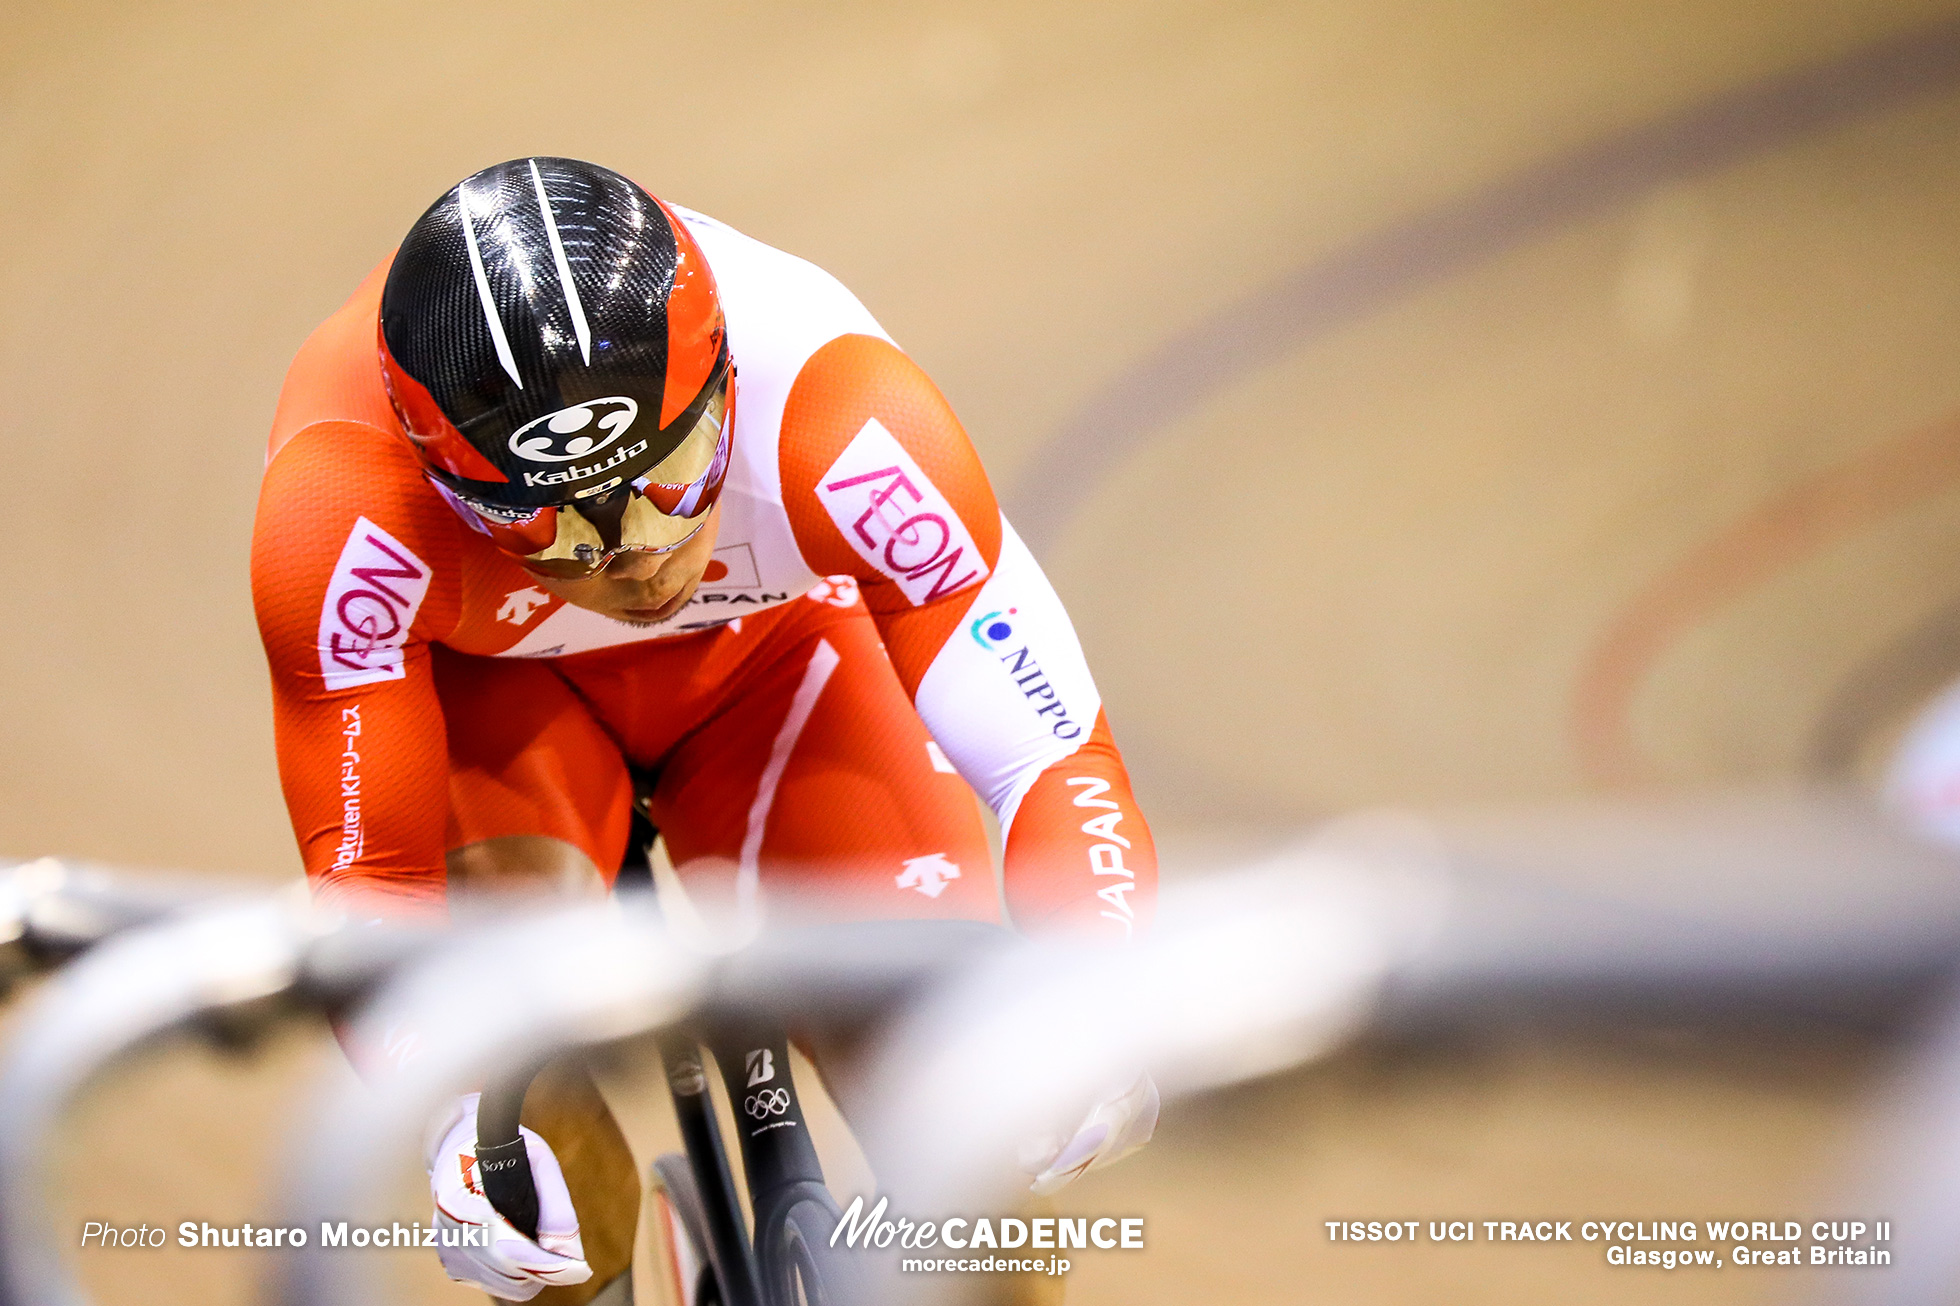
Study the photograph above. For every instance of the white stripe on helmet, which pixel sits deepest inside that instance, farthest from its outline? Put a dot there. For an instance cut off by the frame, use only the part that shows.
(483, 290)
(564, 270)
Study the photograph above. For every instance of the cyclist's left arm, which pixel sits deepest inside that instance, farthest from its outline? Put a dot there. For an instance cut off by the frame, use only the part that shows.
(882, 484)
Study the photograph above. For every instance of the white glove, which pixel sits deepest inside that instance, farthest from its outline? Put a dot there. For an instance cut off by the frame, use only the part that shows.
(512, 1266)
(1114, 1128)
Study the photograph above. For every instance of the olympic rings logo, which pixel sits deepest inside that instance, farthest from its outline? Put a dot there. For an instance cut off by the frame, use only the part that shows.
(769, 1102)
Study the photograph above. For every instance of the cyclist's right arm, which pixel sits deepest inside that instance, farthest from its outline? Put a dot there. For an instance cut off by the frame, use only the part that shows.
(353, 573)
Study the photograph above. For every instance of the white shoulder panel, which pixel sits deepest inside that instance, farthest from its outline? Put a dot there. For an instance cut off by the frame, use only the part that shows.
(780, 309)
(1010, 693)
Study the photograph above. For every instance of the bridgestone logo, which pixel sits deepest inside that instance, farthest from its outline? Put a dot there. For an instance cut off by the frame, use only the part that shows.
(377, 588)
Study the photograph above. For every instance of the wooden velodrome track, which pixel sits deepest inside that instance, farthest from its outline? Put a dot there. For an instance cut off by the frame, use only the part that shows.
(1495, 403)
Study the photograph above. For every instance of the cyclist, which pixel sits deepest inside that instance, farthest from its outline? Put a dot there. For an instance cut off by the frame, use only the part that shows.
(582, 486)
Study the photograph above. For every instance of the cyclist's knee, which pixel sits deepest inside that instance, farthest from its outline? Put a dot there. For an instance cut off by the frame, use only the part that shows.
(565, 1107)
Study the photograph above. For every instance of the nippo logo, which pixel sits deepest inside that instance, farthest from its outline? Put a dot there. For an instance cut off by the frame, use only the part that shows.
(576, 431)
(992, 629)
(897, 520)
(993, 632)
(377, 588)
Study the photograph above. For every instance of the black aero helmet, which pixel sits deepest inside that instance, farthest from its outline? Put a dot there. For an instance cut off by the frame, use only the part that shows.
(551, 339)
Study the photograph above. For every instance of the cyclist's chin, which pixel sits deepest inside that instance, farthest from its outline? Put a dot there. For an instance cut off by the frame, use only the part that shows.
(635, 612)
(634, 602)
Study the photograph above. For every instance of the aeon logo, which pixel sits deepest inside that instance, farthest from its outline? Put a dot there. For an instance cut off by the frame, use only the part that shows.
(576, 431)
(897, 520)
(371, 602)
(990, 631)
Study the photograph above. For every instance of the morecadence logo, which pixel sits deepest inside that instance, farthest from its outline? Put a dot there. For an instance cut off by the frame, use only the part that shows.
(866, 1229)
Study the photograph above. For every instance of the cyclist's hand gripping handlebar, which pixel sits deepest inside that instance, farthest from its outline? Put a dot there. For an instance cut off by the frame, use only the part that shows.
(502, 1160)
(1114, 1128)
(478, 1241)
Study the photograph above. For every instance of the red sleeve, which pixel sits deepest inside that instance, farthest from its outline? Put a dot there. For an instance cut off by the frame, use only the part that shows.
(353, 572)
(881, 483)
(1080, 859)
(909, 512)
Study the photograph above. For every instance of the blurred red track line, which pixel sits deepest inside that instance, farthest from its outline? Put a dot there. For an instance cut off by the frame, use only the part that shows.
(1145, 398)
(1771, 539)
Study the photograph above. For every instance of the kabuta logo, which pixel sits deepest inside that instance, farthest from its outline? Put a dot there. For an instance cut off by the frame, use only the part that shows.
(567, 475)
(574, 432)
(400, 1046)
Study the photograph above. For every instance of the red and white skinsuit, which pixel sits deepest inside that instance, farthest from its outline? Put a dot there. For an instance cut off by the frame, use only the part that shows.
(869, 639)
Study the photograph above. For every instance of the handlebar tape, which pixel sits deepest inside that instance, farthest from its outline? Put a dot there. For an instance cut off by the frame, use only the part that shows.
(501, 1159)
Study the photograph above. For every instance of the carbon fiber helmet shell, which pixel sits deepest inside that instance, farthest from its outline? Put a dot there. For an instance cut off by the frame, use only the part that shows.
(548, 332)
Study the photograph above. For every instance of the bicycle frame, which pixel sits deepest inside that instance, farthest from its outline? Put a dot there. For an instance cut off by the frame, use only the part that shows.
(778, 1158)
